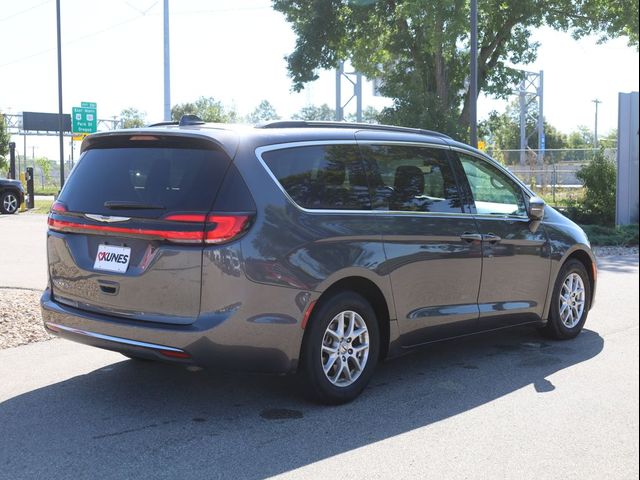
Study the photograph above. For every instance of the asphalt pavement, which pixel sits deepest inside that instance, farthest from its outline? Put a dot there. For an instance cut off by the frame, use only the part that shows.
(509, 404)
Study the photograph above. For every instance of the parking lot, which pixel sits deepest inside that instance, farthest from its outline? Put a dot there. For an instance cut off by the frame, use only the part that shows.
(502, 405)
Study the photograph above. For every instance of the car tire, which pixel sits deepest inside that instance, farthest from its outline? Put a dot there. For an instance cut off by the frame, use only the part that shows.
(347, 350)
(570, 303)
(9, 202)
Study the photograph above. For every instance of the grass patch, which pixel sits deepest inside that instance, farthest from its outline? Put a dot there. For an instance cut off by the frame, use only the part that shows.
(46, 191)
(41, 206)
(620, 236)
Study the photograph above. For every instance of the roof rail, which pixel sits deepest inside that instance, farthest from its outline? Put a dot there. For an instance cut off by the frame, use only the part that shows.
(363, 126)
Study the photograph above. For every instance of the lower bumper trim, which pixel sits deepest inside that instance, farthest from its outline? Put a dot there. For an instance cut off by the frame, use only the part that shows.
(126, 341)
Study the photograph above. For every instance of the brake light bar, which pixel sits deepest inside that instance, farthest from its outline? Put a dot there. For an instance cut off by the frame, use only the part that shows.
(219, 228)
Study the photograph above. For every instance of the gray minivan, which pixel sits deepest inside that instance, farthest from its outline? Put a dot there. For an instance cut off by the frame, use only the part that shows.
(314, 247)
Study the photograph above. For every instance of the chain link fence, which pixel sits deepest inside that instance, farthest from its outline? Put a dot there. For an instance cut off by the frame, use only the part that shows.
(556, 168)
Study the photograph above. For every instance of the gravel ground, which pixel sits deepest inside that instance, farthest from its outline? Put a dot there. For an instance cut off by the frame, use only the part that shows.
(20, 320)
(21, 323)
(615, 251)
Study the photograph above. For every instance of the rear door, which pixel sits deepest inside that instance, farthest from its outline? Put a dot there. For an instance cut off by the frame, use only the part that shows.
(126, 234)
(431, 243)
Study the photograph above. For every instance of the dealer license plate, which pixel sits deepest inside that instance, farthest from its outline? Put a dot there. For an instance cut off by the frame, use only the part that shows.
(112, 258)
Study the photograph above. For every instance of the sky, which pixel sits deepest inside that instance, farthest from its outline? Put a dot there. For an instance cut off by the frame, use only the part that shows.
(233, 50)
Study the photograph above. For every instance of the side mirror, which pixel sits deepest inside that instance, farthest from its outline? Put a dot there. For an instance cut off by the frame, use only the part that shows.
(535, 208)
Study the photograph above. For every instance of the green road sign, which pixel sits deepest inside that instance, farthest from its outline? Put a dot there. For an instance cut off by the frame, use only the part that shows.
(84, 119)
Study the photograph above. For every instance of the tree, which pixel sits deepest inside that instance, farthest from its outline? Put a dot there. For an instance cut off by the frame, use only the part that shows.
(420, 48)
(312, 112)
(502, 131)
(263, 113)
(599, 177)
(133, 118)
(45, 166)
(369, 115)
(207, 108)
(5, 138)
(582, 137)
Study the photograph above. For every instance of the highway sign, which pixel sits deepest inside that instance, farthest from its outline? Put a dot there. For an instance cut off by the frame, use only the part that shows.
(84, 119)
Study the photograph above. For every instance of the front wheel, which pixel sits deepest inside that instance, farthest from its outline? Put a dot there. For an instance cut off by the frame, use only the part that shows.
(571, 302)
(340, 349)
(9, 203)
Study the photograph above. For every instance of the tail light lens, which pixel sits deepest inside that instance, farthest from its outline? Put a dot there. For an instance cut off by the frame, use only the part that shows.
(203, 229)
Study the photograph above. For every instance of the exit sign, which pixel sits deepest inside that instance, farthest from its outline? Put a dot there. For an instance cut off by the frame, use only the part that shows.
(84, 119)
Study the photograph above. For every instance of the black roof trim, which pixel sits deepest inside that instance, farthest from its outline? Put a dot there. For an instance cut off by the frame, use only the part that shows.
(184, 121)
(162, 124)
(360, 126)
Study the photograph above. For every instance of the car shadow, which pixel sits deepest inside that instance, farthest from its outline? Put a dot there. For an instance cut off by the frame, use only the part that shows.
(165, 421)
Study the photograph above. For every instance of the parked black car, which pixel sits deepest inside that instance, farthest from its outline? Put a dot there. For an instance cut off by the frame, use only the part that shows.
(320, 248)
(11, 195)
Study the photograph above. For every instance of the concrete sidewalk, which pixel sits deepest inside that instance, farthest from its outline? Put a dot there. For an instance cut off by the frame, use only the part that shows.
(23, 255)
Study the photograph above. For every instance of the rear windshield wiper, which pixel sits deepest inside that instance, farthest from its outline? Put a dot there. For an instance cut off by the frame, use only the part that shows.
(120, 205)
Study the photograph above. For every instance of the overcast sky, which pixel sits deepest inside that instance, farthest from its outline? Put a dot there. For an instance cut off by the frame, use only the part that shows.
(233, 50)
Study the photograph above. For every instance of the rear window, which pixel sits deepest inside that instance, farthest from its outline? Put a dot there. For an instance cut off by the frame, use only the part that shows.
(163, 179)
(322, 176)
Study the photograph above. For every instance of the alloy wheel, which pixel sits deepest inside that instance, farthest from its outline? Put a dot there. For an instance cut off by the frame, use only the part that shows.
(572, 300)
(345, 348)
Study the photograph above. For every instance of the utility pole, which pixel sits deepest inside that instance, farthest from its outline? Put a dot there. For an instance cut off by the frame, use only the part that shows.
(595, 128)
(473, 85)
(167, 66)
(60, 122)
(339, 73)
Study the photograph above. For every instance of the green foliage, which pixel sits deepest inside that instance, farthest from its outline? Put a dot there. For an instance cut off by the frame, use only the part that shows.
(502, 131)
(263, 113)
(45, 164)
(420, 48)
(312, 112)
(5, 138)
(207, 108)
(622, 235)
(599, 204)
(369, 115)
(582, 137)
(133, 118)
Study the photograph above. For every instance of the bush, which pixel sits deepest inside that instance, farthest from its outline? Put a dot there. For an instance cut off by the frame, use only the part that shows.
(623, 235)
(599, 206)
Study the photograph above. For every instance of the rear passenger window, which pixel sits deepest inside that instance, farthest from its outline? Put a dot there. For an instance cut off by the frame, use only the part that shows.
(322, 176)
(407, 178)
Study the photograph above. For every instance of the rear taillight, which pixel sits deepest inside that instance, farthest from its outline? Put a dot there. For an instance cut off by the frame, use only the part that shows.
(211, 229)
(224, 228)
(58, 207)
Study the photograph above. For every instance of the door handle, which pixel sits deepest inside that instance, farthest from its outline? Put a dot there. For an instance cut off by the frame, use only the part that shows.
(471, 237)
(491, 238)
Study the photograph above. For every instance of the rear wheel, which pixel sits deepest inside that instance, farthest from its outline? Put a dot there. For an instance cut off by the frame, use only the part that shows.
(9, 202)
(340, 350)
(571, 302)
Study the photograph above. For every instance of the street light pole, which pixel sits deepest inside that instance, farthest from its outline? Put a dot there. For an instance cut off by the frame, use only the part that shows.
(60, 122)
(595, 129)
(473, 84)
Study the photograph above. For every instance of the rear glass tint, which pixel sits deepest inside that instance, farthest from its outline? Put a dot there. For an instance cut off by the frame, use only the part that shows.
(173, 179)
(322, 176)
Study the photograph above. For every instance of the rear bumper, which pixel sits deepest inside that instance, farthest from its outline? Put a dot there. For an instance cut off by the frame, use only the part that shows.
(183, 344)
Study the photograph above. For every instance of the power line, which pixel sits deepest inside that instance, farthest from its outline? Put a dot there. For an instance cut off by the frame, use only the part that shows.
(13, 15)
